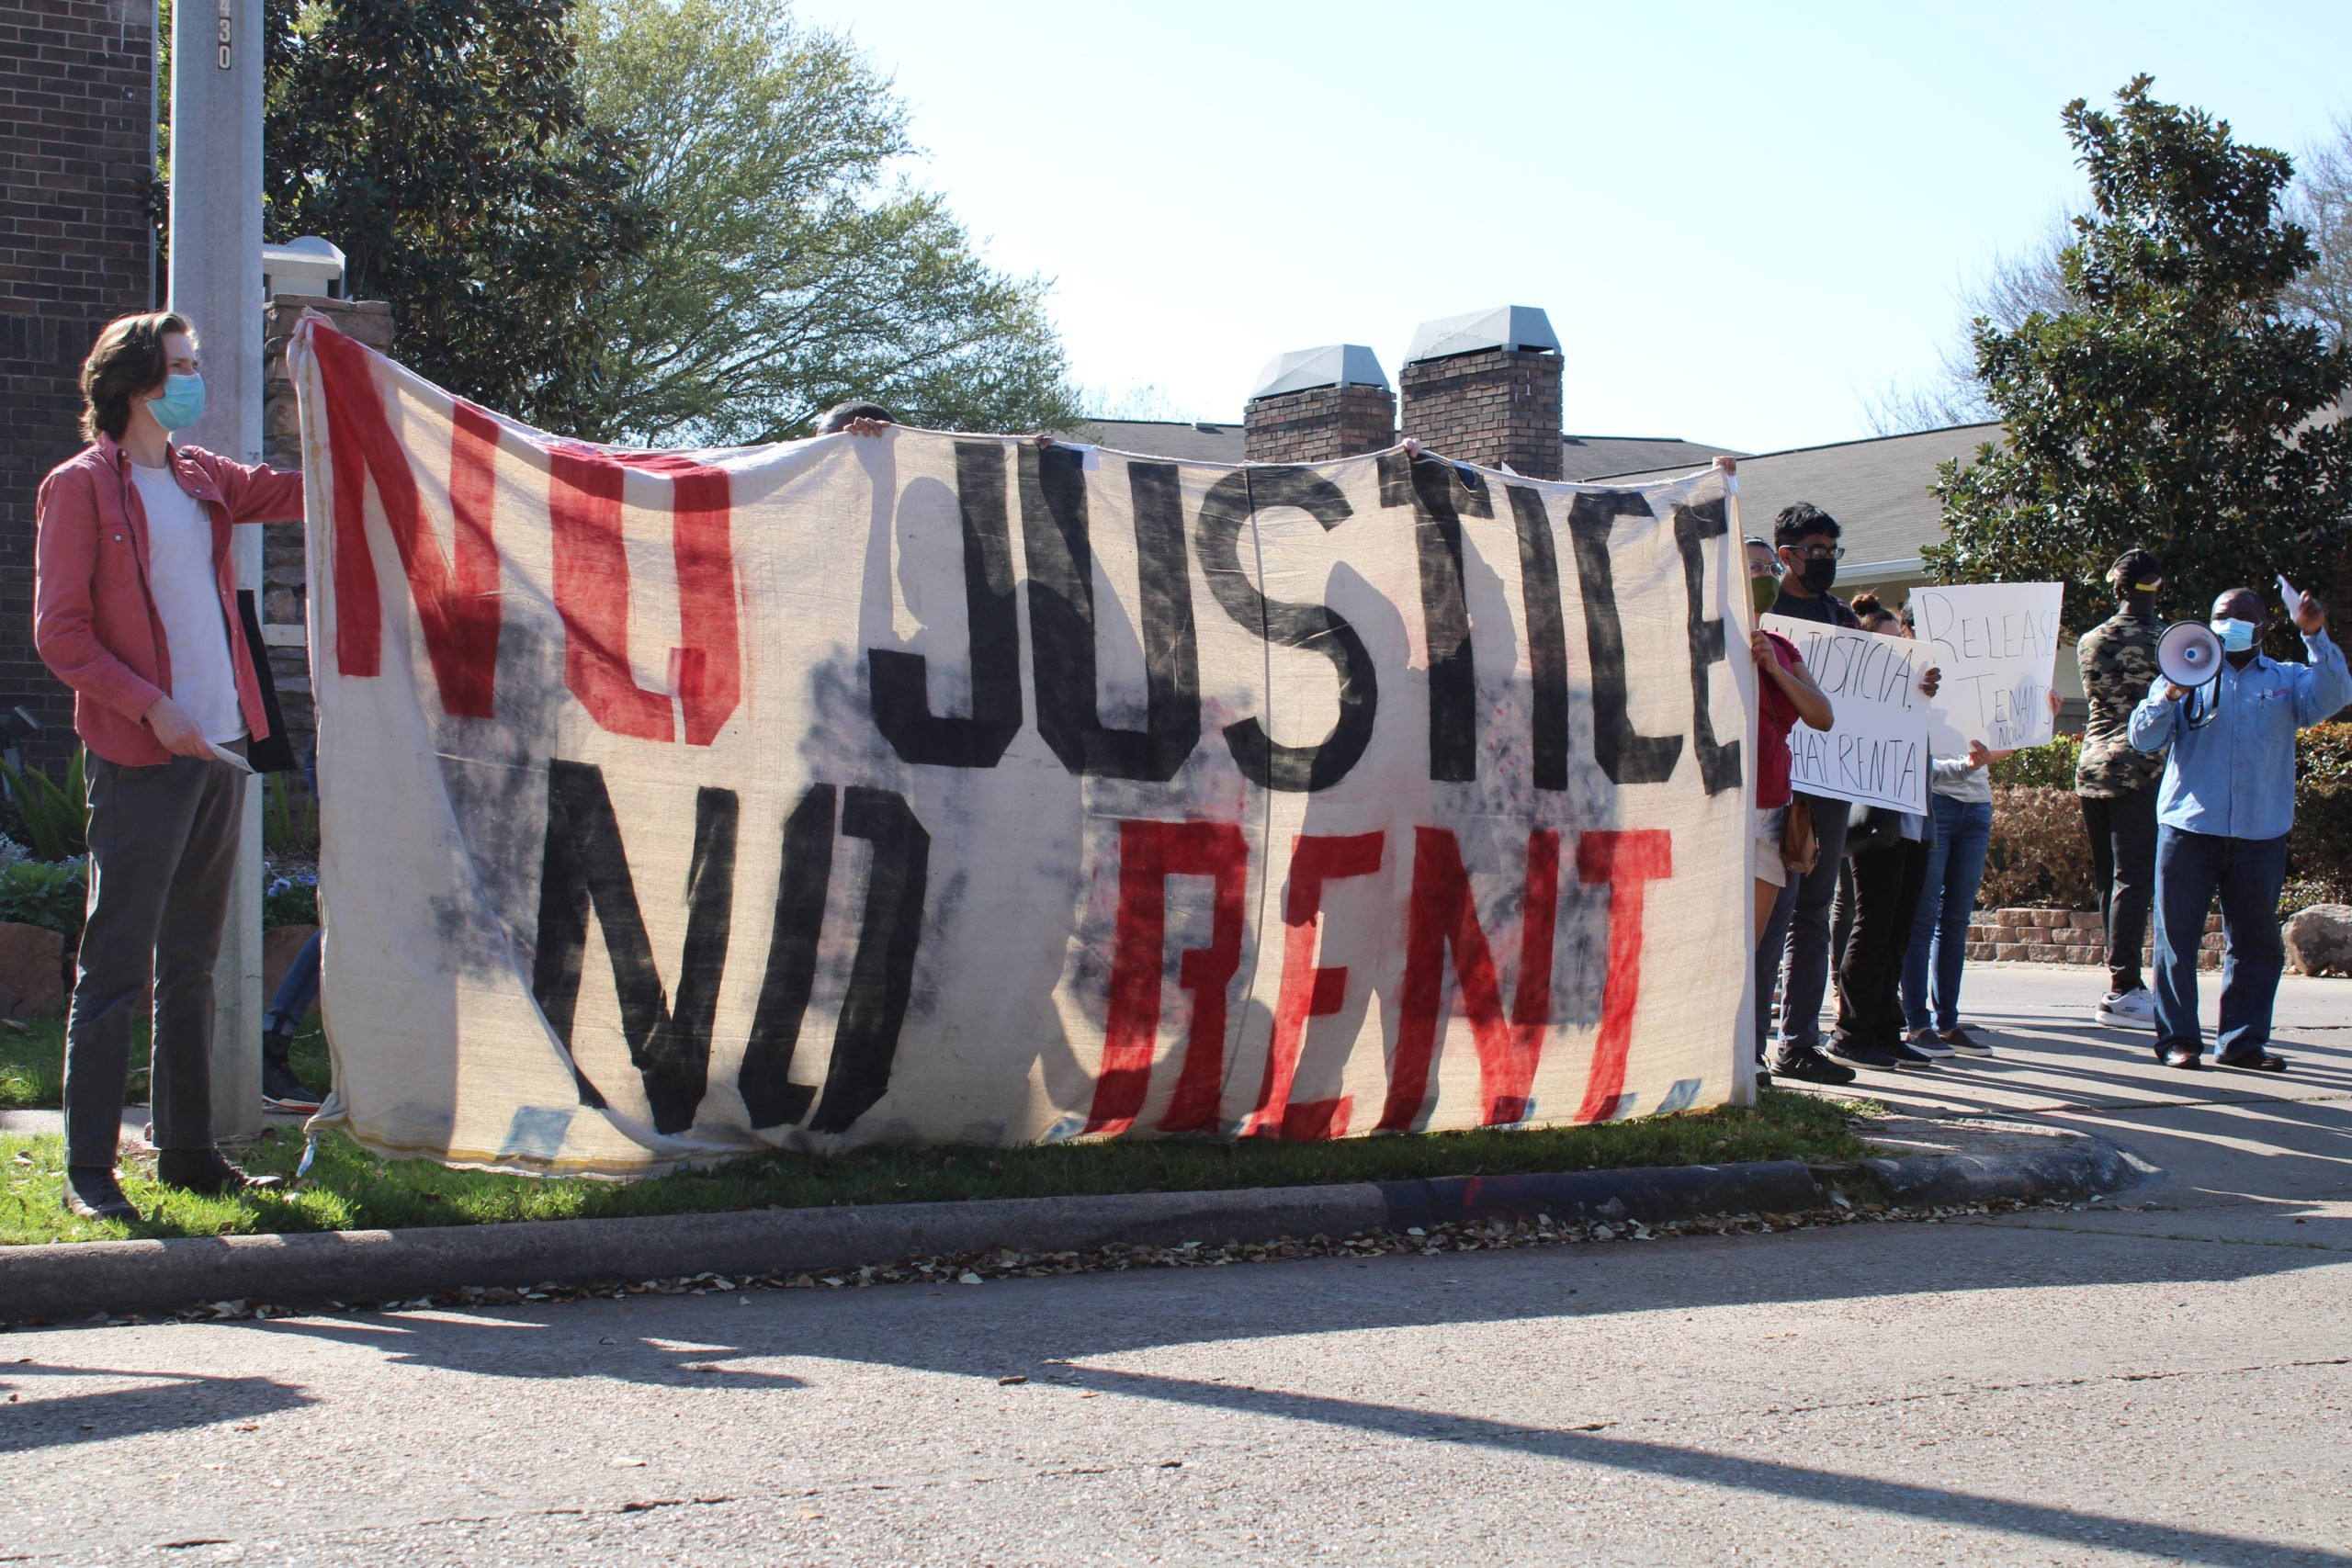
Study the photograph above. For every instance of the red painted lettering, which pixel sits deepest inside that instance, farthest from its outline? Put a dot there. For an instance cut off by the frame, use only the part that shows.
(1149, 854)
(1308, 990)
(1444, 914)
(1627, 862)
(457, 605)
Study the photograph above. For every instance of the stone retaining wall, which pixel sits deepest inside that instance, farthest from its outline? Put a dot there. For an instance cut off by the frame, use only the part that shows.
(2064, 936)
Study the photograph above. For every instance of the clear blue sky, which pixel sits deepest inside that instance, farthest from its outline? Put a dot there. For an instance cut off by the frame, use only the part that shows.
(1741, 217)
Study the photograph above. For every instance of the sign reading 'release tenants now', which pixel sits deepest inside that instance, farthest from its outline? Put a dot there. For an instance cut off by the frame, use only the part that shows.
(929, 788)
(1876, 753)
(1997, 646)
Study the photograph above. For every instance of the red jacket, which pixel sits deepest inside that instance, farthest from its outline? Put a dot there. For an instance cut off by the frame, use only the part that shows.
(94, 614)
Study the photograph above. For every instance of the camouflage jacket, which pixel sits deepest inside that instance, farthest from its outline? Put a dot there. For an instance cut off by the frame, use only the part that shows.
(2118, 662)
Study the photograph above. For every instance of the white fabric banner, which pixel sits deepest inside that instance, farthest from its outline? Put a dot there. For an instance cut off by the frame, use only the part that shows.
(1876, 752)
(1997, 646)
(932, 788)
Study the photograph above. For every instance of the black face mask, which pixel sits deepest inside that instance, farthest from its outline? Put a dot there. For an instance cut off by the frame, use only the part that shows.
(1819, 575)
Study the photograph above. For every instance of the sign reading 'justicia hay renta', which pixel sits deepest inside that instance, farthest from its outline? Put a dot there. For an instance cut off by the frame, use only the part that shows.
(932, 788)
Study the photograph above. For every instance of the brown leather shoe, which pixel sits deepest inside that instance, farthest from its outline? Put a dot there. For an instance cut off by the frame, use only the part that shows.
(205, 1171)
(92, 1193)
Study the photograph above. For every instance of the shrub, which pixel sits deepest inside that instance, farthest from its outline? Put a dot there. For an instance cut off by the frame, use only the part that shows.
(56, 816)
(2319, 850)
(48, 894)
(2323, 754)
(289, 816)
(2050, 765)
(290, 901)
(2038, 855)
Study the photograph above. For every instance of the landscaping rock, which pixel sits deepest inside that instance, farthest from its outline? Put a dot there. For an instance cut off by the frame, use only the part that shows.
(279, 946)
(2319, 940)
(32, 971)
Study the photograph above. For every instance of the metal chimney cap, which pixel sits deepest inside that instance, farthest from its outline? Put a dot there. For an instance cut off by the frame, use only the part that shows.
(1335, 365)
(1507, 326)
(302, 266)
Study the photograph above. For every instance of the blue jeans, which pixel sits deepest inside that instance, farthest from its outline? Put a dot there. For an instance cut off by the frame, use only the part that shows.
(2248, 873)
(297, 994)
(1940, 931)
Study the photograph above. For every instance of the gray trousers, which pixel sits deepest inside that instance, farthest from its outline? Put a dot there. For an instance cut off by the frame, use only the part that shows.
(1793, 950)
(163, 856)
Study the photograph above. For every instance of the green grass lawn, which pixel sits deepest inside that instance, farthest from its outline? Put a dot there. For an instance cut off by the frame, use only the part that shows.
(348, 1188)
(32, 1064)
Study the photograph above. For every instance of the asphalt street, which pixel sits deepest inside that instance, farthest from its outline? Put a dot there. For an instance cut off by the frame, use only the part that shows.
(2164, 1378)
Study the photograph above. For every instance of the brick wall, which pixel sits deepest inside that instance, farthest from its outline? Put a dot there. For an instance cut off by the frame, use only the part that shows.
(1320, 423)
(2064, 936)
(1496, 406)
(77, 142)
(283, 605)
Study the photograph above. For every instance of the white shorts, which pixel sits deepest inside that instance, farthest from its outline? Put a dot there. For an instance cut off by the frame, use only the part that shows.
(1769, 868)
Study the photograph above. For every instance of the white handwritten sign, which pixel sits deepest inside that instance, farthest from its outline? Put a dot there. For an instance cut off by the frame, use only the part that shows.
(1877, 751)
(1997, 646)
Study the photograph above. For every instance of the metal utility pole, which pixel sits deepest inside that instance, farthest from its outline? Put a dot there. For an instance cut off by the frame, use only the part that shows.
(216, 283)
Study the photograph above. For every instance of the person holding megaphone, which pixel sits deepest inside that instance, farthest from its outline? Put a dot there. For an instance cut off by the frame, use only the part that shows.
(2222, 814)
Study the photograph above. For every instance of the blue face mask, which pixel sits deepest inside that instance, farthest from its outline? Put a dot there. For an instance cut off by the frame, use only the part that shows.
(2236, 635)
(182, 403)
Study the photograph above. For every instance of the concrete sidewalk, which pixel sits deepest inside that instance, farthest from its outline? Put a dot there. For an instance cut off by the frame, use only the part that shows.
(2236, 1140)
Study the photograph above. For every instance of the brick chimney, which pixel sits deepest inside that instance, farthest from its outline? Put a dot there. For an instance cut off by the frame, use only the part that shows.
(1318, 404)
(1484, 388)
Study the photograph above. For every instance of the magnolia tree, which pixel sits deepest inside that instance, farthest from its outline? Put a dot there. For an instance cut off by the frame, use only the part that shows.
(2178, 400)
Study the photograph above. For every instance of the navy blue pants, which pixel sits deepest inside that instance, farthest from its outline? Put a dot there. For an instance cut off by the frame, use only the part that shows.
(2247, 874)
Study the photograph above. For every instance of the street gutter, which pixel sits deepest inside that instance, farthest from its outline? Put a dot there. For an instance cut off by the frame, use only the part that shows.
(74, 1280)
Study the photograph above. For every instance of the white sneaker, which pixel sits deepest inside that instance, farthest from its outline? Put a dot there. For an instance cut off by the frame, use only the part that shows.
(2133, 1010)
(1924, 1041)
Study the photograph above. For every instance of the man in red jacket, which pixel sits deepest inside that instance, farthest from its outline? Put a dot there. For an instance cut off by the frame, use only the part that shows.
(134, 606)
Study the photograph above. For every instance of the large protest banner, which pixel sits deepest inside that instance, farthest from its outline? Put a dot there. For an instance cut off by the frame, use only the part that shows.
(937, 788)
(1876, 753)
(1998, 645)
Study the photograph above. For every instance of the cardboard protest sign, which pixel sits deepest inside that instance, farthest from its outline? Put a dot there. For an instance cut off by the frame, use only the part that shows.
(938, 788)
(1997, 646)
(1877, 752)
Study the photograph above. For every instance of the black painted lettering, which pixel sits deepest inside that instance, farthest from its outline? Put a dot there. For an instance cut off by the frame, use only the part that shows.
(1693, 528)
(901, 708)
(1439, 494)
(1626, 756)
(1547, 635)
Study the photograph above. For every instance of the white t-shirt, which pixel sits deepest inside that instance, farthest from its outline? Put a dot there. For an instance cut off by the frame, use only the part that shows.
(187, 596)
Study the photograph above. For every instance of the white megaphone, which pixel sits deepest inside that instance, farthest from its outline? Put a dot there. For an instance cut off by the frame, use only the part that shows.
(2188, 654)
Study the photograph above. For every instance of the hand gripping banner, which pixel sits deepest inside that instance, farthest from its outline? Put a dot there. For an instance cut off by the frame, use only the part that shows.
(938, 788)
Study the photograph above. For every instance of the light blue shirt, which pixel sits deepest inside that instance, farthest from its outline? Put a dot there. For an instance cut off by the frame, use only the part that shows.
(2235, 778)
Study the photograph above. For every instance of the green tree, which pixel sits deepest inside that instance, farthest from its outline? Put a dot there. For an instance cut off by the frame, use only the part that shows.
(442, 144)
(2173, 403)
(789, 268)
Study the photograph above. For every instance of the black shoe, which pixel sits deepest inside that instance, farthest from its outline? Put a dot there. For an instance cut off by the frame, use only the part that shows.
(1860, 1056)
(205, 1171)
(2182, 1056)
(2255, 1060)
(92, 1192)
(1909, 1056)
(281, 1090)
(1807, 1064)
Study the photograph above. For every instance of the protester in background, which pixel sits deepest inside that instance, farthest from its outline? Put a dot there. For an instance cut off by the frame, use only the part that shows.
(858, 416)
(1807, 540)
(2116, 782)
(1960, 800)
(1887, 854)
(135, 608)
(2227, 801)
(1786, 693)
(1874, 616)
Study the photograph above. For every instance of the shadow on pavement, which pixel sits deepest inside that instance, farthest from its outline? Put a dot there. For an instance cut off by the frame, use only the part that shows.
(164, 1402)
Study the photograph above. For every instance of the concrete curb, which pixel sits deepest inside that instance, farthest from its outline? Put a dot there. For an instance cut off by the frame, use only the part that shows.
(69, 1281)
